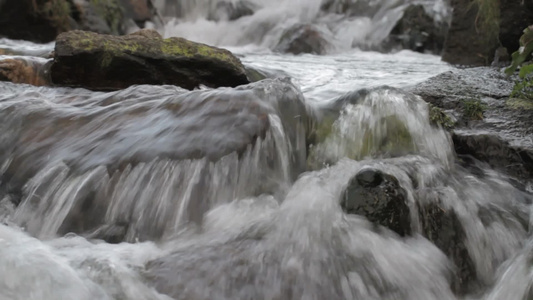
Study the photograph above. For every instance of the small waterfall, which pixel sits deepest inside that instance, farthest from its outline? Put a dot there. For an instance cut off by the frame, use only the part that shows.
(380, 122)
(135, 165)
(345, 24)
(150, 200)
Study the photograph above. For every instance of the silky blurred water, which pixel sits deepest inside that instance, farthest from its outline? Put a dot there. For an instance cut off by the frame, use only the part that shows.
(155, 192)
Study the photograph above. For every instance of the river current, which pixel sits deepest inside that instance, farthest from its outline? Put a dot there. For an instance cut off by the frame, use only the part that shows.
(156, 192)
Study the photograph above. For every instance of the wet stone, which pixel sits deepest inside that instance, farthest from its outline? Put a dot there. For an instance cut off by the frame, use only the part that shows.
(380, 198)
(441, 226)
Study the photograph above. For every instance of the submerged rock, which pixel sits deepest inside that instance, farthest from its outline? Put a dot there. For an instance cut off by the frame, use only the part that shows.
(303, 38)
(380, 198)
(25, 70)
(103, 62)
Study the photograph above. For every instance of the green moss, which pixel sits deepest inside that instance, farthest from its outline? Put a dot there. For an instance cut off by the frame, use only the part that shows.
(473, 109)
(519, 103)
(183, 47)
(438, 118)
(142, 46)
(396, 141)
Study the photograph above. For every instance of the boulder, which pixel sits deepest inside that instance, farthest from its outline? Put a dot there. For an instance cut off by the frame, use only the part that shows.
(473, 35)
(380, 198)
(104, 62)
(514, 17)
(303, 38)
(417, 31)
(503, 136)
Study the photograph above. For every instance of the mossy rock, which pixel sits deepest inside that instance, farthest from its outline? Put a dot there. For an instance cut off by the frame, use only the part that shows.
(437, 117)
(105, 62)
(520, 104)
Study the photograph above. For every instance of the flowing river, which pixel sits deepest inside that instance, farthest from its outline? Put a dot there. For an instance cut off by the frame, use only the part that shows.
(156, 192)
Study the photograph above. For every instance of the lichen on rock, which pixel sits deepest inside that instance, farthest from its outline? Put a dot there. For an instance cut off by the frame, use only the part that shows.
(106, 62)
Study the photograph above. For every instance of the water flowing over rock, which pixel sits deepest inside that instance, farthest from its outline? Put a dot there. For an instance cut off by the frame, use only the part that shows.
(365, 175)
(379, 122)
(342, 24)
(103, 62)
(32, 70)
(131, 157)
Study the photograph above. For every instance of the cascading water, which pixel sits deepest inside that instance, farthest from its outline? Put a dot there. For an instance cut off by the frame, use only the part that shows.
(155, 192)
(343, 23)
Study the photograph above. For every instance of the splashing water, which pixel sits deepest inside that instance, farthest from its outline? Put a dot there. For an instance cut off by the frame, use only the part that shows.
(262, 23)
(161, 193)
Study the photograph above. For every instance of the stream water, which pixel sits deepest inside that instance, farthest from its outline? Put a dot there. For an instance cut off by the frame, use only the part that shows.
(214, 193)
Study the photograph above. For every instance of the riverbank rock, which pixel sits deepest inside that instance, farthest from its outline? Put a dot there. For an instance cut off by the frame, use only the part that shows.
(42, 20)
(491, 126)
(473, 35)
(380, 198)
(303, 38)
(418, 31)
(104, 62)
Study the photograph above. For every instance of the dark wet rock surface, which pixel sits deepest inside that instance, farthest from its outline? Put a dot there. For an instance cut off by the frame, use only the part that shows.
(379, 198)
(441, 226)
(515, 16)
(104, 62)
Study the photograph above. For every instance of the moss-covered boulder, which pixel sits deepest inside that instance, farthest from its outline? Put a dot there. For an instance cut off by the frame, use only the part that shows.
(105, 62)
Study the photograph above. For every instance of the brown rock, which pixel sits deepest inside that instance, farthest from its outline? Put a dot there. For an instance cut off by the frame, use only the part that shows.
(19, 70)
(104, 62)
